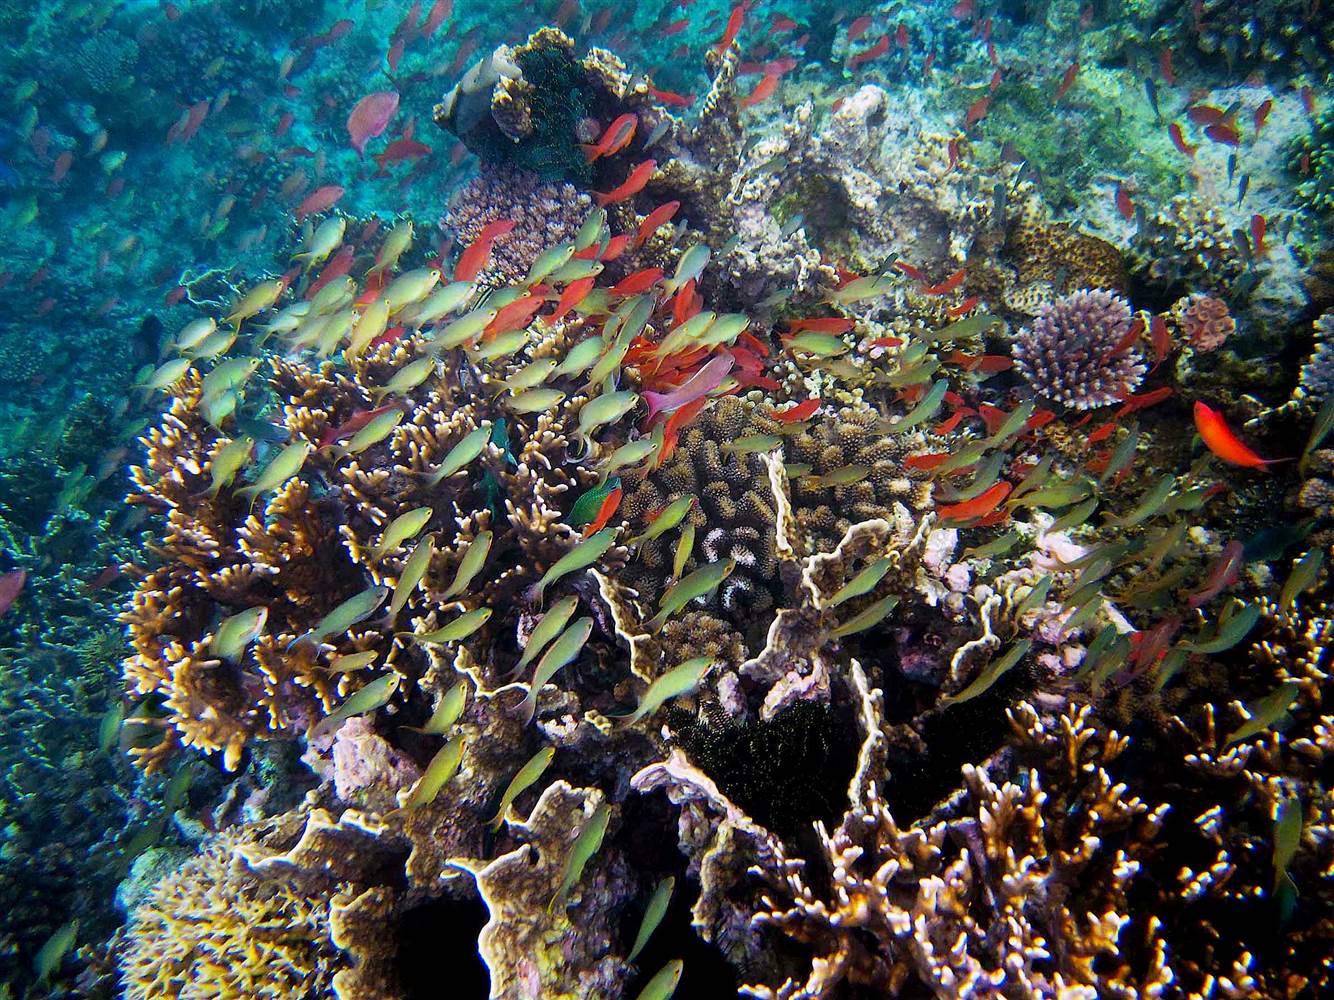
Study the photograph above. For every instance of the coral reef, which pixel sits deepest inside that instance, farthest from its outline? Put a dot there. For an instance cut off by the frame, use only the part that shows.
(1073, 352)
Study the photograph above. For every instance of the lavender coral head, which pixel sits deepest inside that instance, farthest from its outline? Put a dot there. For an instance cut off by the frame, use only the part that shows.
(1066, 355)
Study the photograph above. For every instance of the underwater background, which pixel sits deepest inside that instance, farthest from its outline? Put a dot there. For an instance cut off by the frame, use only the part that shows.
(578, 499)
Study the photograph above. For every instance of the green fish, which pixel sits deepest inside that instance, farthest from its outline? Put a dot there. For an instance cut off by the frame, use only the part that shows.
(872, 616)
(1121, 456)
(995, 548)
(753, 444)
(859, 289)
(448, 712)
(1265, 712)
(469, 566)
(1287, 841)
(355, 609)
(414, 572)
(864, 582)
(370, 698)
(440, 303)
(563, 651)
(348, 662)
(235, 634)
(1231, 630)
(969, 327)
(1035, 598)
(501, 346)
(400, 529)
(406, 378)
(628, 454)
(166, 375)
(591, 231)
(685, 545)
(990, 674)
(673, 514)
(530, 376)
(1324, 422)
(1302, 577)
(461, 454)
(664, 982)
(549, 260)
(653, 914)
(820, 345)
(583, 555)
(444, 765)
(681, 679)
(581, 357)
(924, 410)
(1150, 504)
(691, 265)
(108, 731)
(547, 628)
(1013, 423)
(500, 437)
(286, 464)
(692, 329)
(535, 400)
(586, 508)
(577, 270)
(458, 629)
(702, 581)
(464, 329)
(525, 777)
(50, 956)
(585, 846)
(228, 461)
(229, 374)
(724, 330)
(1074, 517)
(847, 475)
(608, 363)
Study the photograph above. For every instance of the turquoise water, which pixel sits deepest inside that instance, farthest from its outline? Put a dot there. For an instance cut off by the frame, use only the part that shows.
(603, 499)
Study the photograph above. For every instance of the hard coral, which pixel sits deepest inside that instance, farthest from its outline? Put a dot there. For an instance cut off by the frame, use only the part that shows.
(1204, 320)
(1067, 354)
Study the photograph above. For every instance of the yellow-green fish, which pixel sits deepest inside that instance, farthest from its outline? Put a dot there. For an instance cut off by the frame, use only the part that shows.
(470, 564)
(576, 270)
(581, 357)
(461, 454)
(1301, 578)
(685, 545)
(407, 378)
(444, 765)
(379, 428)
(723, 330)
(753, 443)
(411, 287)
(589, 233)
(990, 674)
(446, 713)
(167, 374)
(583, 555)
(441, 302)
(547, 628)
(846, 475)
(500, 346)
(52, 953)
(604, 409)
(467, 327)
(531, 375)
(396, 243)
(672, 515)
(535, 400)
(664, 982)
(356, 608)
(414, 571)
(691, 265)
(525, 777)
(235, 634)
(681, 679)
(286, 464)
(691, 329)
(195, 333)
(370, 698)
(703, 581)
(348, 662)
(924, 410)
(228, 374)
(862, 583)
(108, 731)
(1287, 840)
(324, 241)
(255, 301)
(564, 650)
(458, 629)
(868, 618)
(227, 462)
(549, 260)
(859, 289)
(653, 914)
(820, 345)
(585, 846)
(400, 529)
(1264, 713)
(630, 453)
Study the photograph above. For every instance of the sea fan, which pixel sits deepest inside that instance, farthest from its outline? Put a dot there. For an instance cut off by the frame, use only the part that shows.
(1069, 355)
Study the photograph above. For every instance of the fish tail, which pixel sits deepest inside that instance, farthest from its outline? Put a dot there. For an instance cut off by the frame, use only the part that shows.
(654, 401)
(590, 150)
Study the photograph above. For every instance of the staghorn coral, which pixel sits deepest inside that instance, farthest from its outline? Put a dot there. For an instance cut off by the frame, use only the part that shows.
(1066, 355)
(544, 213)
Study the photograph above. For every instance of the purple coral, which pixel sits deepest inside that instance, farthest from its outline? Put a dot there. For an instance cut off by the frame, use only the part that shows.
(1067, 354)
(544, 213)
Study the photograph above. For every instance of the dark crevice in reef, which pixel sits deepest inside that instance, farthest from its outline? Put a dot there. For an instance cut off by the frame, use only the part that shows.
(785, 773)
(439, 939)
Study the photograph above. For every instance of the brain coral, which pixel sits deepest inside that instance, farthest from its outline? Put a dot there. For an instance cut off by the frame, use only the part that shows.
(1066, 355)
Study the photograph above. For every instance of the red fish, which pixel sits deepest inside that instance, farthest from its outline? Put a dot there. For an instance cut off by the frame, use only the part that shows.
(1224, 574)
(978, 507)
(858, 27)
(1308, 100)
(615, 247)
(992, 416)
(605, 511)
(1258, 226)
(901, 36)
(672, 99)
(916, 273)
(1124, 206)
(640, 281)
(977, 111)
(1160, 339)
(439, 14)
(929, 461)
(798, 412)
(964, 9)
(995, 81)
(1142, 402)
(1132, 335)
(763, 90)
(319, 200)
(11, 584)
(371, 117)
(478, 252)
(926, 66)
(947, 425)
(948, 285)
(573, 293)
(615, 138)
(1262, 114)
(886, 342)
(966, 306)
(874, 52)
(1039, 419)
(514, 315)
(63, 162)
(1225, 133)
(1204, 114)
(1068, 79)
(822, 324)
(990, 364)
(1179, 140)
(1165, 67)
(1220, 440)
(1102, 433)
(632, 186)
(400, 150)
(733, 28)
(354, 423)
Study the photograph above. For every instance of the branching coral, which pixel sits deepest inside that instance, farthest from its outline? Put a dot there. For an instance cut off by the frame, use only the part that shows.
(1070, 353)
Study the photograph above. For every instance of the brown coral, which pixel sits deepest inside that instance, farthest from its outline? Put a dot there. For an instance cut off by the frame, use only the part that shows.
(1204, 320)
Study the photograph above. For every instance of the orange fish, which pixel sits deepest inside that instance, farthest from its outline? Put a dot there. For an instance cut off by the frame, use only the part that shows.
(1220, 440)
(733, 28)
(672, 99)
(800, 411)
(608, 508)
(1262, 113)
(1165, 67)
(640, 281)
(478, 252)
(633, 184)
(1179, 140)
(916, 273)
(514, 315)
(946, 286)
(1225, 133)
(978, 507)
(1258, 226)
(977, 111)
(822, 324)
(763, 90)
(1067, 80)
(886, 342)
(874, 52)
(1143, 402)
(318, 200)
(966, 306)
(858, 27)
(616, 137)
(615, 247)
(573, 294)
(1124, 206)
(1160, 338)
(657, 218)
(1102, 433)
